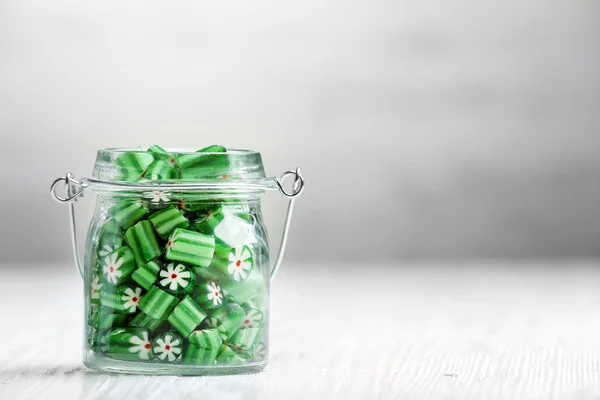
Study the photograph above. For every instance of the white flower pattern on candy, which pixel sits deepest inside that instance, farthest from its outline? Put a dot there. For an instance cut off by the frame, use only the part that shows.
(111, 268)
(168, 348)
(214, 293)
(175, 277)
(107, 249)
(157, 196)
(132, 299)
(252, 319)
(142, 346)
(95, 289)
(240, 262)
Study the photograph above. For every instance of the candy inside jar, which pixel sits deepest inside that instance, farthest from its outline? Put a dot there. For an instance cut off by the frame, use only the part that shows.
(177, 264)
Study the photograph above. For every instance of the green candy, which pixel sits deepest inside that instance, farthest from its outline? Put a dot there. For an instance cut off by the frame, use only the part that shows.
(121, 299)
(246, 339)
(142, 241)
(157, 303)
(166, 220)
(240, 293)
(252, 319)
(239, 263)
(260, 352)
(206, 163)
(129, 344)
(127, 213)
(168, 347)
(209, 296)
(142, 320)
(206, 338)
(207, 222)
(231, 316)
(161, 170)
(108, 319)
(197, 356)
(146, 275)
(176, 279)
(190, 247)
(95, 286)
(118, 265)
(186, 316)
(228, 357)
(132, 165)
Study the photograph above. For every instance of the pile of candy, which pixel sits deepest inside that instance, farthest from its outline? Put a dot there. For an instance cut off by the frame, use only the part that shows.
(176, 278)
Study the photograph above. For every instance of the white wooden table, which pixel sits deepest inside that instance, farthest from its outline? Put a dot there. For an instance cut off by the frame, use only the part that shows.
(411, 331)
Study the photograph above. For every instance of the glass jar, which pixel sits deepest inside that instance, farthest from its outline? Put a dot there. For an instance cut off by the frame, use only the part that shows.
(177, 265)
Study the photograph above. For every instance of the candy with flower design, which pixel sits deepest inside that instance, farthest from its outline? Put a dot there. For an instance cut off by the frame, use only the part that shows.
(240, 263)
(122, 298)
(129, 344)
(246, 339)
(252, 319)
(231, 316)
(176, 279)
(118, 265)
(209, 296)
(168, 347)
(95, 286)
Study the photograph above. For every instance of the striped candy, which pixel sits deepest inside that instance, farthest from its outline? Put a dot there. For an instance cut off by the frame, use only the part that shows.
(228, 357)
(142, 241)
(126, 213)
(166, 220)
(146, 275)
(206, 338)
(206, 163)
(161, 170)
(142, 320)
(209, 220)
(158, 304)
(131, 165)
(190, 247)
(197, 356)
(231, 316)
(246, 339)
(186, 316)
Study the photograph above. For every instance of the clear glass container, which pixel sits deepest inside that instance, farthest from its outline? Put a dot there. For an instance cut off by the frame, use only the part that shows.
(177, 264)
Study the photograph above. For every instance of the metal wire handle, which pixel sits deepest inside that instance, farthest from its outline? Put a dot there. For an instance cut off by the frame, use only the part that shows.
(74, 190)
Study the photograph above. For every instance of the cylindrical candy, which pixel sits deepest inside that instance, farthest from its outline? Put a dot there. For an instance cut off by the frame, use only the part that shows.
(168, 347)
(209, 296)
(157, 303)
(131, 165)
(166, 220)
(186, 316)
(160, 170)
(129, 344)
(146, 275)
(205, 163)
(176, 279)
(231, 316)
(190, 247)
(105, 318)
(118, 265)
(126, 213)
(142, 320)
(207, 222)
(197, 356)
(246, 339)
(228, 357)
(122, 298)
(142, 241)
(206, 338)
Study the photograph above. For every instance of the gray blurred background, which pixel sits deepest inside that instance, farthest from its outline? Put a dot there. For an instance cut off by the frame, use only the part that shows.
(438, 129)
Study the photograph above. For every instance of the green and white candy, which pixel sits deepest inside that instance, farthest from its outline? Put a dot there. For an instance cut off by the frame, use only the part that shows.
(129, 344)
(122, 298)
(118, 265)
(142, 241)
(166, 220)
(168, 347)
(176, 279)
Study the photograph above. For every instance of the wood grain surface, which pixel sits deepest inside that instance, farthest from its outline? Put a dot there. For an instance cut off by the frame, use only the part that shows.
(374, 331)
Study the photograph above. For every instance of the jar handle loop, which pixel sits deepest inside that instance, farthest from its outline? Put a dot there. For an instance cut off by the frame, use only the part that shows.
(74, 190)
(296, 190)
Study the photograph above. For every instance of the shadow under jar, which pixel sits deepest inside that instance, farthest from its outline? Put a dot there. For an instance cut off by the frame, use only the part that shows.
(177, 264)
